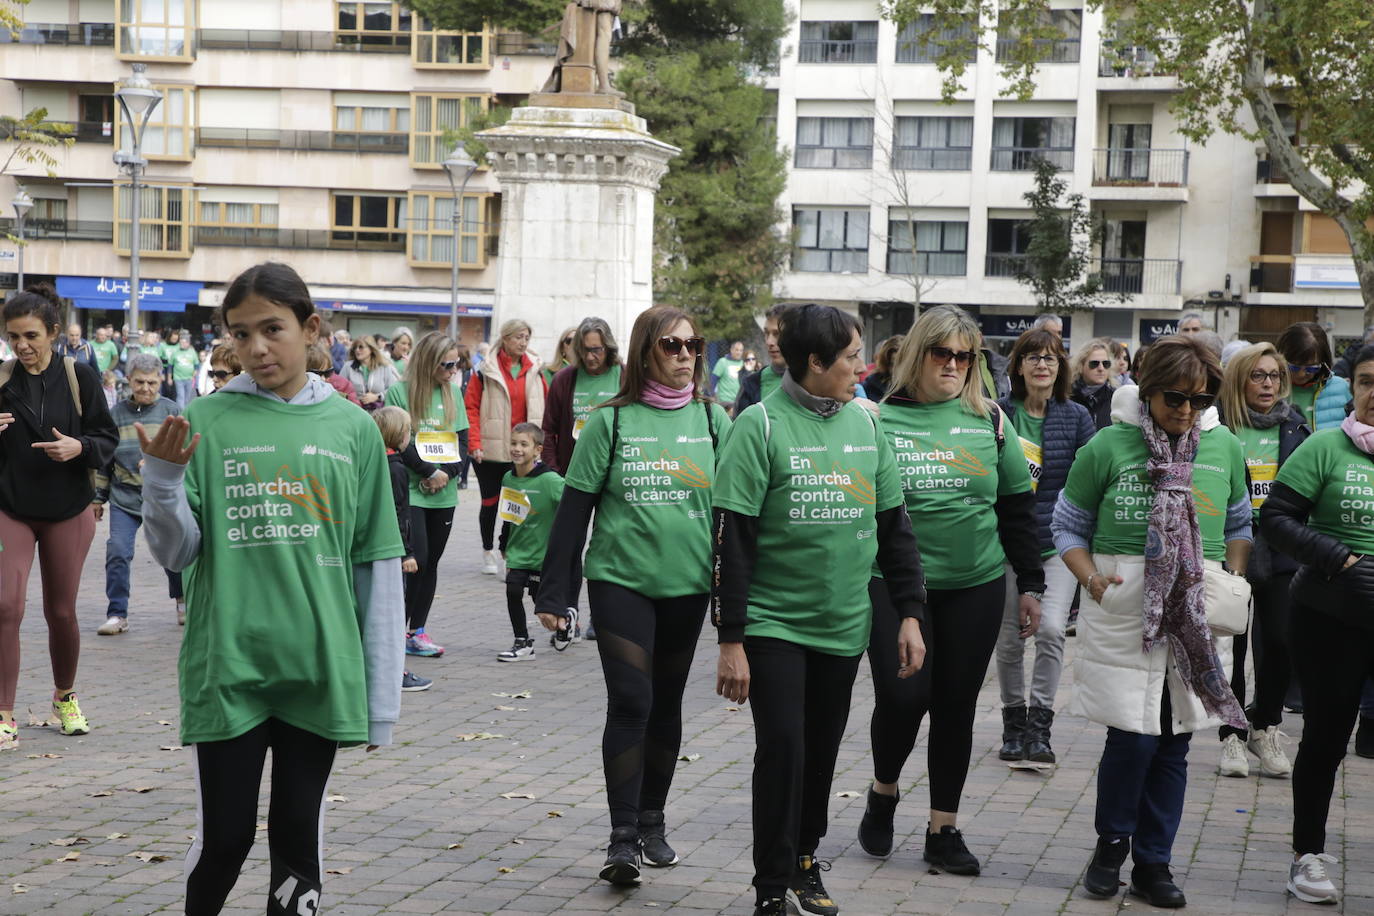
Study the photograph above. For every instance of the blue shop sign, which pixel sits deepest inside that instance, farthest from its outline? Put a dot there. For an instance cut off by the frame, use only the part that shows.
(1015, 325)
(112, 293)
(405, 308)
(1151, 329)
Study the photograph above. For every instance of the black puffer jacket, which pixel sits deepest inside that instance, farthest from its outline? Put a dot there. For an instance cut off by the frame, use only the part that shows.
(1099, 404)
(1068, 427)
(1323, 582)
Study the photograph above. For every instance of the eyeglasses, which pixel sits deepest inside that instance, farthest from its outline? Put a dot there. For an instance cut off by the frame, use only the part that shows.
(222, 374)
(672, 346)
(1040, 359)
(1310, 370)
(1259, 377)
(323, 373)
(962, 358)
(1099, 364)
(593, 351)
(449, 366)
(1200, 401)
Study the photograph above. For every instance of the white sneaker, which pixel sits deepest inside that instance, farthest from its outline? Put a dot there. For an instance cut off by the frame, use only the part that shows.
(1264, 744)
(1233, 760)
(181, 613)
(522, 650)
(490, 562)
(113, 625)
(1308, 880)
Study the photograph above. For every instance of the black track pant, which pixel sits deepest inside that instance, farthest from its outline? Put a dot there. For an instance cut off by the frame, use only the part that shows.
(1269, 635)
(228, 778)
(429, 531)
(646, 648)
(518, 582)
(489, 474)
(800, 700)
(960, 632)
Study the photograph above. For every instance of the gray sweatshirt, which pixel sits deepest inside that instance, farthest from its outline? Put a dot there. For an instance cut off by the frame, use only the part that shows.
(174, 537)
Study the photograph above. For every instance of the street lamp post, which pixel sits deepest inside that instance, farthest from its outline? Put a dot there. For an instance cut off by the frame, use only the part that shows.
(137, 99)
(22, 204)
(456, 161)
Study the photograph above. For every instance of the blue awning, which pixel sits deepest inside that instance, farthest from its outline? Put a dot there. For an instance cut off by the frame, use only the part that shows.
(113, 293)
(406, 308)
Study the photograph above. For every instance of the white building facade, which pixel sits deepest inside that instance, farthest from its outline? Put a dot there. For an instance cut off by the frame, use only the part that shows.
(1187, 227)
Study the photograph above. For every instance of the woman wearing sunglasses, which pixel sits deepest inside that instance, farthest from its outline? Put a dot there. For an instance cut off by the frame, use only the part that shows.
(1052, 429)
(964, 476)
(645, 462)
(1254, 405)
(1320, 395)
(433, 398)
(564, 357)
(1093, 369)
(505, 389)
(1153, 505)
(370, 372)
(224, 365)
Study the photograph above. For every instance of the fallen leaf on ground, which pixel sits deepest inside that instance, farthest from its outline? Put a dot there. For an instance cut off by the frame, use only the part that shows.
(504, 870)
(517, 795)
(518, 842)
(846, 794)
(172, 747)
(116, 836)
(142, 789)
(338, 798)
(554, 814)
(454, 846)
(20, 888)
(651, 903)
(45, 756)
(732, 709)
(477, 736)
(70, 857)
(262, 825)
(688, 758)
(163, 722)
(339, 871)
(68, 841)
(144, 856)
(103, 793)
(37, 722)
(522, 695)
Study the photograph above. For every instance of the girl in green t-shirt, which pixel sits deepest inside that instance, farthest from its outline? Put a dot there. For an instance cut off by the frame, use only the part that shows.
(280, 510)
(645, 463)
(806, 500)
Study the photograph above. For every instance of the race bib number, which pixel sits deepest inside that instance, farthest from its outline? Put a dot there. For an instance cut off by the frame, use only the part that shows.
(577, 427)
(515, 507)
(1034, 461)
(1261, 479)
(438, 448)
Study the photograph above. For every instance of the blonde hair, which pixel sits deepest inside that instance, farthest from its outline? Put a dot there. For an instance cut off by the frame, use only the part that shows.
(379, 357)
(1234, 410)
(1080, 359)
(513, 326)
(395, 426)
(932, 329)
(226, 357)
(317, 357)
(420, 384)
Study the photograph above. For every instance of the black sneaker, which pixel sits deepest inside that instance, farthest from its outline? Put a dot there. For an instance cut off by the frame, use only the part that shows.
(1156, 884)
(946, 850)
(564, 635)
(522, 650)
(807, 893)
(622, 857)
(1102, 878)
(773, 906)
(413, 683)
(657, 852)
(875, 830)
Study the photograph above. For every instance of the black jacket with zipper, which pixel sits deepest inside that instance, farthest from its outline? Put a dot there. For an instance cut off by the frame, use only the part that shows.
(1323, 583)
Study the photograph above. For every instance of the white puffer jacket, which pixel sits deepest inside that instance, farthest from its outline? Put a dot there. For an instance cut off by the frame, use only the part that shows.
(1115, 683)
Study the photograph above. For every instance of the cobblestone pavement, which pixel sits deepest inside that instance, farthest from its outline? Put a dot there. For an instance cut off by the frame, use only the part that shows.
(423, 827)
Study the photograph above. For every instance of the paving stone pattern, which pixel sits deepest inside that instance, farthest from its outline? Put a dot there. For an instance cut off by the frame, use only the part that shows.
(422, 827)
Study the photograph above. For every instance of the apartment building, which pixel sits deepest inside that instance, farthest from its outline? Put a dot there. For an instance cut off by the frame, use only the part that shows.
(879, 162)
(310, 131)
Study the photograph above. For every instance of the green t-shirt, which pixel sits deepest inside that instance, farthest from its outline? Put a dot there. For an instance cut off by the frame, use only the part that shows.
(436, 443)
(400, 367)
(288, 499)
(1109, 476)
(185, 362)
(1031, 431)
(816, 486)
(530, 516)
(1339, 479)
(652, 532)
(769, 382)
(106, 353)
(726, 374)
(1261, 449)
(589, 391)
(951, 476)
(1305, 399)
(165, 351)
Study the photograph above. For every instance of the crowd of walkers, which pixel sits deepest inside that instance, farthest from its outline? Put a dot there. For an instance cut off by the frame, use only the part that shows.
(954, 513)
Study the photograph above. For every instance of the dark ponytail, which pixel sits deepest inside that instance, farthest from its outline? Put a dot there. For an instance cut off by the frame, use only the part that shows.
(39, 300)
(274, 281)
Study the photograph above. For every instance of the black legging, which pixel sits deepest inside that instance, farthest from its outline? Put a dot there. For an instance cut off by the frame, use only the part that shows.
(960, 632)
(429, 531)
(228, 779)
(646, 648)
(518, 582)
(489, 474)
(800, 701)
(1269, 632)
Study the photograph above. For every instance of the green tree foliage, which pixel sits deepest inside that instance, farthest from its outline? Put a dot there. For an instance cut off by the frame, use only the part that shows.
(1232, 58)
(12, 15)
(685, 65)
(29, 140)
(1059, 256)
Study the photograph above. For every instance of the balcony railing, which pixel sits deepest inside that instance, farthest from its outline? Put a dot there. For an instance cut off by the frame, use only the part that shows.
(521, 43)
(62, 230)
(1022, 158)
(89, 34)
(1047, 50)
(1128, 62)
(928, 263)
(307, 140)
(830, 260)
(931, 159)
(1140, 166)
(834, 157)
(855, 51)
(1003, 264)
(1272, 273)
(1160, 276)
(83, 131)
(1268, 171)
(313, 239)
(292, 40)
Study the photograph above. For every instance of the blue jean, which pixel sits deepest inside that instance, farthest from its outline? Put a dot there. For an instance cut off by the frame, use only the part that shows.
(119, 551)
(1140, 786)
(186, 389)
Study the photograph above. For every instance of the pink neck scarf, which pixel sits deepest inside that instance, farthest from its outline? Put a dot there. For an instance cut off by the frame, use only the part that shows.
(1362, 434)
(657, 394)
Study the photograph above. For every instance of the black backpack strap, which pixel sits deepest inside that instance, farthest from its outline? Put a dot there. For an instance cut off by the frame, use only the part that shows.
(615, 438)
(999, 420)
(711, 424)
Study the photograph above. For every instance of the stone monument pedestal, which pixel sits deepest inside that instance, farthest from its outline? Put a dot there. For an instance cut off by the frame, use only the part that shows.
(577, 214)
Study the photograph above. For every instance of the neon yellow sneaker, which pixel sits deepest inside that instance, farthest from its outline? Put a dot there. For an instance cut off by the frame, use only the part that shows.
(69, 713)
(9, 736)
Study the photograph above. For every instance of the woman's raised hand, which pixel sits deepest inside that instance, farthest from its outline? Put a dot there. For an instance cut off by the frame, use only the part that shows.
(167, 444)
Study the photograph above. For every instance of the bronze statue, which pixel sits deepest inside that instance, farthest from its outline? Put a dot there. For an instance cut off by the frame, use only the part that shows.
(584, 48)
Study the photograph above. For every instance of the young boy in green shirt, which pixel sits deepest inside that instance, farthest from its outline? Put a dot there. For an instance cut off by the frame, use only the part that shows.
(529, 497)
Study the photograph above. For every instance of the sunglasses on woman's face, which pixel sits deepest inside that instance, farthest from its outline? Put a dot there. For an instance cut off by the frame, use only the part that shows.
(1310, 370)
(567, 341)
(449, 366)
(1099, 364)
(322, 373)
(672, 346)
(1200, 401)
(962, 358)
(222, 374)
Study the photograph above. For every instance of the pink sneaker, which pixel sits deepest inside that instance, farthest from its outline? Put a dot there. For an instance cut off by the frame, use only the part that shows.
(420, 644)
